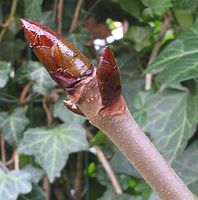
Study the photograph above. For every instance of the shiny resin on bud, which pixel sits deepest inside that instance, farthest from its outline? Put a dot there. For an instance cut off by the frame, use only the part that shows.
(108, 78)
(71, 106)
(62, 60)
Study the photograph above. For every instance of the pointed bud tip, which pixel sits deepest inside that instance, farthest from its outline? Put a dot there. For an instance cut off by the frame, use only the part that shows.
(106, 51)
(108, 56)
(24, 22)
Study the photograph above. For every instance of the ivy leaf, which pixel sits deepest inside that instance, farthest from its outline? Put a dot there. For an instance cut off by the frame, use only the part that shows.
(79, 38)
(12, 125)
(129, 72)
(140, 105)
(35, 194)
(10, 47)
(33, 9)
(186, 166)
(171, 120)
(52, 146)
(179, 60)
(124, 166)
(185, 4)
(46, 19)
(36, 174)
(5, 68)
(110, 195)
(139, 36)
(130, 89)
(61, 112)
(155, 8)
(14, 183)
(144, 189)
(132, 7)
(154, 196)
(36, 72)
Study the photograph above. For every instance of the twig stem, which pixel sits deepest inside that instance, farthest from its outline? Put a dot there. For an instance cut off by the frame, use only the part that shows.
(2, 166)
(9, 19)
(16, 159)
(3, 152)
(76, 15)
(164, 27)
(60, 15)
(108, 170)
(78, 178)
(47, 111)
(106, 166)
(90, 9)
(46, 187)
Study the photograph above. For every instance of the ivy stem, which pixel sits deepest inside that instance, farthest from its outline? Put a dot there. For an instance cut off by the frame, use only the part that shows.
(46, 187)
(78, 177)
(9, 19)
(3, 167)
(16, 160)
(164, 27)
(3, 152)
(59, 15)
(76, 15)
(106, 166)
(108, 170)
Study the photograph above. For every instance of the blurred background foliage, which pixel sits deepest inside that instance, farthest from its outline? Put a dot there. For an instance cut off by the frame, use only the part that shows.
(47, 152)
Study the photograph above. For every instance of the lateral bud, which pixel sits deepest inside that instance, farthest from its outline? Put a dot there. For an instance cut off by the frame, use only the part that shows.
(108, 78)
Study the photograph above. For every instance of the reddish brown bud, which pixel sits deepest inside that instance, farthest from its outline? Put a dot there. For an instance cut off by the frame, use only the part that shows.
(63, 61)
(73, 107)
(108, 78)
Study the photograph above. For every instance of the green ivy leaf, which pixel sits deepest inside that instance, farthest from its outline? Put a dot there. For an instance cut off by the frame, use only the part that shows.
(171, 120)
(132, 7)
(12, 125)
(128, 66)
(155, 8)
(124, 166)
(130, 89)
(98, 139)
(14, 183)
(185, 18)
(140, 105)
(131, 77)
(35, 173)
(61, 112)
(79, 38)
(154, 196)
(179, 60)
(46, 19)
(36, 72)
(139, 36)
(186, 166)
(110, 195)
(52, 146)
(143, 188)
(5, 68)
(10, 47)
(33, 9)
(185, 4)
(35, 194)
